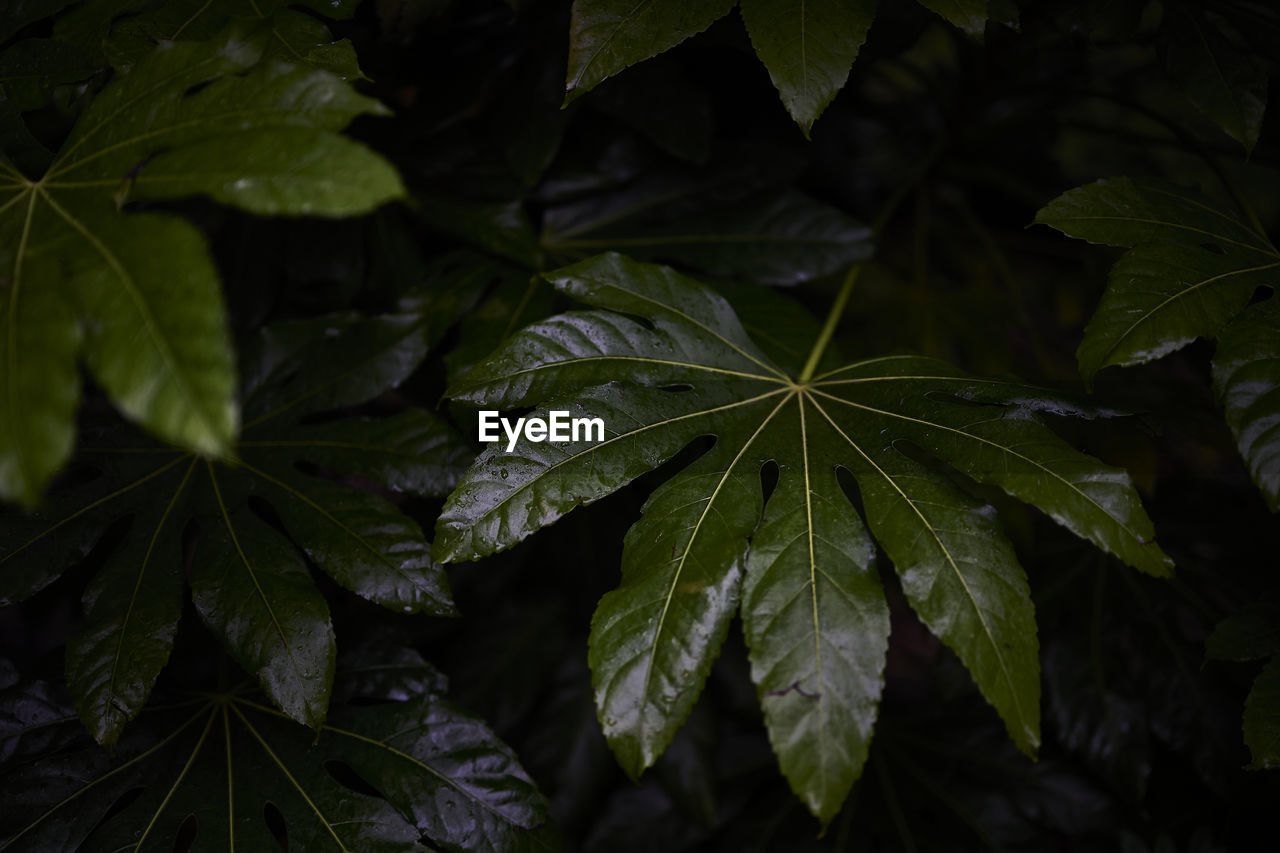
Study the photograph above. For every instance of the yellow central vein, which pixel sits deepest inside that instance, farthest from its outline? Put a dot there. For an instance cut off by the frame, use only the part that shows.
(97, 503)
(253, 575)
(813, 575)
(955, 567)
(137, 585)
(173, 789)
(161, 343)
(292, 779)
(693, 535)
(103, 778)
(1181, 293)
(623, 435)
(372, 549)
(1009, 450)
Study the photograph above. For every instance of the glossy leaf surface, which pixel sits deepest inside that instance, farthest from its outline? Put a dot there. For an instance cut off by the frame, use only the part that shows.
(798, 567)
(250, 584)
(400, 767)
(1194, 269)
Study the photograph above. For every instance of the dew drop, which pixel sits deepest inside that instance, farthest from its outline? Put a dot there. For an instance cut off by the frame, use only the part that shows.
(503, 473)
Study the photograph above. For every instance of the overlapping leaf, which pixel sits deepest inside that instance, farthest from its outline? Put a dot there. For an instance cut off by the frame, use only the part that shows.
(136, 298)
(798, 566)
(808, 48)
(401, 770)
(1254, 634)
(250, 585)
(1192, 270)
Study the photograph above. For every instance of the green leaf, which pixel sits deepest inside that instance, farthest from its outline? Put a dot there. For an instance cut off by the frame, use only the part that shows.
(606, 36)
(250, 584)
(968, 15)
(812, 612)
(808, 49)
(142, 286)
(132, 609)
(780, 239)
(1194, 267)
(1262, 718)
(406, 773)
(1221, 78)
(1246, 377)
(253, 590)
(290, 34)
(1251, 634)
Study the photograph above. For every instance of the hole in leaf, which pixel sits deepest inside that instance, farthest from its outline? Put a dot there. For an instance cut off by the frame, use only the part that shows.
(677, 388)
(197, 88)
(849, 485)
(768, 478)
(1261, 294)
(186, 835)
(346, 776)
(275, 823)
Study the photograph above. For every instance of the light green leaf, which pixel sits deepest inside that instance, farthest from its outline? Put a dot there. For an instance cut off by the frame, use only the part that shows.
(808, 48)
(606, 36)
(295, 172)
(693, 371)
(1246, 377)
(143, 287)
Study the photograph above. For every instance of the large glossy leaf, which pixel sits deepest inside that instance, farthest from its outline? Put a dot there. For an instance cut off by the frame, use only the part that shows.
(136, 296)
(1193, 270)
(396, 766)
(249, 584)
(808, 48)
(798, 567)
(606, 36)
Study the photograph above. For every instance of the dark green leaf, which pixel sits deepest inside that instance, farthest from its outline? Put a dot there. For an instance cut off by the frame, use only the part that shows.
(1262, 718)
(808, 49)
(1251, 634)
(1194, 267)
(143, 286)
(606, 36)
(968, 15)
(1219, 77)
(783, 239)
(1246, 376)
(693, 371)
(211, 766)
(254, 592)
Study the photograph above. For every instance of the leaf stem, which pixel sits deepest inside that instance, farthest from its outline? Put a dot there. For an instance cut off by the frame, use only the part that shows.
(829, 328)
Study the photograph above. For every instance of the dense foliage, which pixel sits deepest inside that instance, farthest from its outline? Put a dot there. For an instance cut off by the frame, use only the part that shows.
(917, 524)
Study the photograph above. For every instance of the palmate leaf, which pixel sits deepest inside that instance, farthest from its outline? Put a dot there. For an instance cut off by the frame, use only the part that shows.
(136, 296)
(808, 47)
(249, 584)
(797, 566)
(1193, 269)
(208, 770)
